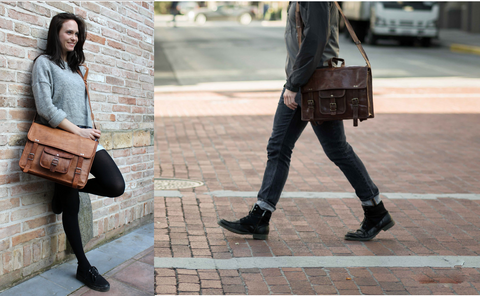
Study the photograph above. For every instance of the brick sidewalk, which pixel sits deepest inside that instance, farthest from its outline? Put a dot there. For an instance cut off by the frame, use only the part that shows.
(221, 137)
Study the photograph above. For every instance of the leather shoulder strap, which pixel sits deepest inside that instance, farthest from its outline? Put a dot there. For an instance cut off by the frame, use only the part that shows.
(299, 26)
(353, 35)
(84, 77)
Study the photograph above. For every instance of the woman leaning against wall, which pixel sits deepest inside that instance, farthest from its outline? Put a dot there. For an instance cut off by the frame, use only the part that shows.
(62, 102)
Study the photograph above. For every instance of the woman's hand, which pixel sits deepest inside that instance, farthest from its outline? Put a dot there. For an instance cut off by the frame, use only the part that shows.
(92, 134)
(289, 99)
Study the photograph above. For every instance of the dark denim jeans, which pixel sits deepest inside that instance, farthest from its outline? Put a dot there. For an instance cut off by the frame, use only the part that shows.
(287, 128)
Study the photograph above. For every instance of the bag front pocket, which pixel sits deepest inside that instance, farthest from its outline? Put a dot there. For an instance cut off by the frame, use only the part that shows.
(332, 102)
(55, 160)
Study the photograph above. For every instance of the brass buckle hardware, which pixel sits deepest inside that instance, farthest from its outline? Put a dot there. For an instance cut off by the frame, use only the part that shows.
(355, 101)
(310, 102)
(78, 170)
(333, 106)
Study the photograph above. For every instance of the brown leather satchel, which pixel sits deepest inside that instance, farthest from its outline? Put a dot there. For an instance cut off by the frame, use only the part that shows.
(335, 93)
(58, 155)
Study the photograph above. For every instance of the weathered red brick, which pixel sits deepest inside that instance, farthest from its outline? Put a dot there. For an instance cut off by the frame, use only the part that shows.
(121, 108)
(6, 24)
(95, 38)
(12, 50)
(26, 17)
(32, 7)
(111, 34)
(115, 81)
(91, 6)
(24, 237)
(80, 12)
(21, 114)
(8, 76)
(9, 231)
(116, 45)
(63, 6)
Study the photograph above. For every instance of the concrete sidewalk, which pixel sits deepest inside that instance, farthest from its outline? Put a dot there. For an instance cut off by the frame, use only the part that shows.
(425, 162)
(127, 263)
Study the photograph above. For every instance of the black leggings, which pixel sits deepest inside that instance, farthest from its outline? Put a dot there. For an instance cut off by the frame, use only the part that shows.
(108, 181)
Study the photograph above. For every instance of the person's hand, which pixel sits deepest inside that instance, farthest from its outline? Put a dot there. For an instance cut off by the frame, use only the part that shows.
(289, 99)
(89, 133)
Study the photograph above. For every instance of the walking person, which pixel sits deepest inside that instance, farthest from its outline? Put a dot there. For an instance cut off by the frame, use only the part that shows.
(61, 100)
(319, 44)
(174, 12)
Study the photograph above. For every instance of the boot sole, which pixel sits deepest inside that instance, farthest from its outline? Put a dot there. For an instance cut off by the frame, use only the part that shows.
(255, 235)
(99, 289)
(385, 228)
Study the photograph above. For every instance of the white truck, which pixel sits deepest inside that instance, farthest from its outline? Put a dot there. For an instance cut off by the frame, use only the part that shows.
(404, 21)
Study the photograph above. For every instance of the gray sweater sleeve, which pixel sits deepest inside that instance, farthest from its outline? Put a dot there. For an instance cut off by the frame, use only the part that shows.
(42, 87)
(316, 19)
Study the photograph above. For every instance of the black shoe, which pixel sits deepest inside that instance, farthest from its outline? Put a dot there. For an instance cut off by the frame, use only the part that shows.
(92, 279)
(376, 219)
(255, 223)
(56, 204)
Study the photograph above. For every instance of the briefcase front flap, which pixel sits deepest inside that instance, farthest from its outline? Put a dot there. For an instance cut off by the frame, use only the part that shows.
(62, 140)
(337, 78)
(331, 93)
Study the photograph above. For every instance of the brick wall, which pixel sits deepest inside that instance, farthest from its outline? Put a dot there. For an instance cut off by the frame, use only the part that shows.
(119, 52)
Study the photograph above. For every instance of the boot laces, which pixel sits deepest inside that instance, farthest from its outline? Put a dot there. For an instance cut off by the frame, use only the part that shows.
(250, 215)
(93, 272)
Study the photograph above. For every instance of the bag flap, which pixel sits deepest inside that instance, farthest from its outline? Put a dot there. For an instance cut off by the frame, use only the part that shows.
(332, 93)
(57, 152)
(352, 77)
(62, 140)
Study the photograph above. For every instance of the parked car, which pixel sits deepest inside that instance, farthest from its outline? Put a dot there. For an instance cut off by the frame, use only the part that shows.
(243, 14)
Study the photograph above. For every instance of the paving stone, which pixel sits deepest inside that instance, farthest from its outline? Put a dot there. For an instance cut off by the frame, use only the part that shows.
(225, 148)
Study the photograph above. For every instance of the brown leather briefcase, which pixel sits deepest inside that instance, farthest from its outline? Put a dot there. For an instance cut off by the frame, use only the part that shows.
(58, 155)
(337, 93)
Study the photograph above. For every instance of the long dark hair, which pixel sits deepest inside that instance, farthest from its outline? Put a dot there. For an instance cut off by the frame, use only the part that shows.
(54, 49)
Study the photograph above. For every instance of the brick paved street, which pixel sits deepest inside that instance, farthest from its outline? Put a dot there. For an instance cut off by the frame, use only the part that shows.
(423, 140)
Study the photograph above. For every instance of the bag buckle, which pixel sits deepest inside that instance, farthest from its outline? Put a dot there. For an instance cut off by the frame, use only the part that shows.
(78, 170)
(31, 156)
(55, 162)
(310, 102)
(355, 101)
(333, 107)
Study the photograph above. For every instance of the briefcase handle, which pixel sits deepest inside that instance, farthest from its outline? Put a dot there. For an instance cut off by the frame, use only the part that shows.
(299, 25)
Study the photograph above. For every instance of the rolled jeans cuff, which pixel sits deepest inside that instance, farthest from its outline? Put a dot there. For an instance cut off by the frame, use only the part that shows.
(372, 202)
(265, 206)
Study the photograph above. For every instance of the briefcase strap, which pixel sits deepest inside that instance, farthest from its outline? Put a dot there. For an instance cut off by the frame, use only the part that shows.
(299, 26)
(84, 77)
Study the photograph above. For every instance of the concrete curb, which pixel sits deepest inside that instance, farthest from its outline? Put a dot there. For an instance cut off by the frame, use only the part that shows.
(462, 48)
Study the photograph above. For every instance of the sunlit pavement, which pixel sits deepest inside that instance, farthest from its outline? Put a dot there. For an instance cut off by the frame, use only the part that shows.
(421, 150)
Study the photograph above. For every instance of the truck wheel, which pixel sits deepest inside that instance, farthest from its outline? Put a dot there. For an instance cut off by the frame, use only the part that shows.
(371, 38)
(362, 32)
(426, 42)
(407, 41)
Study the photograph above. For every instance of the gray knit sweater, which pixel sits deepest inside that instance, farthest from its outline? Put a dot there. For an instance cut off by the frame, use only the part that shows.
(59, 94)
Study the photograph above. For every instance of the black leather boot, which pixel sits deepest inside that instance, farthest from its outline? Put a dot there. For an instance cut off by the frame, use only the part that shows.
(376, 219)
(92, 279)
(255, 223)
(56, 204)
